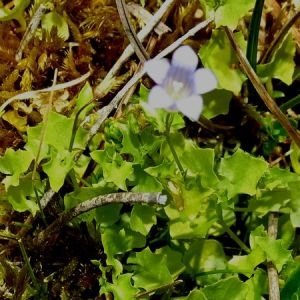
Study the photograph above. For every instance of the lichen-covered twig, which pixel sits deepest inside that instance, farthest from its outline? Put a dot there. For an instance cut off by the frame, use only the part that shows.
(53, 229)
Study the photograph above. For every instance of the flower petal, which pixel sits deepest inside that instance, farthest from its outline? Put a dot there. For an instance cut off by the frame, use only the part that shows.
(191, 107)
(185, 57)
(157, 69)
(205, 81)
(159, 98)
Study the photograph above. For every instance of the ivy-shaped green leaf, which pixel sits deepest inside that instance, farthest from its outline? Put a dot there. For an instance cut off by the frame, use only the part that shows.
(142, 218)
(231, 11)
(241, 173)
(118, 173)
(121, 287)
(13, 164)
(150, 270)
(218, 55)
(203, 256)
(216, 103)
(57, 168)
(15, 13)
(22, 197)
(282, 65)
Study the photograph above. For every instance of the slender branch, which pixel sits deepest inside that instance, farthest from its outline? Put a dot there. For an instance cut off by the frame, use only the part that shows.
(53, 229)
(274, 292)
(269, 102)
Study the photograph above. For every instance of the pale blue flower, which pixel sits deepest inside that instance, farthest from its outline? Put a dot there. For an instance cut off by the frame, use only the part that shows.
(179, 84)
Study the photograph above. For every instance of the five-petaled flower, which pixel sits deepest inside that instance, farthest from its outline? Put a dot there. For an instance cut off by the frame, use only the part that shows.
(179, 83)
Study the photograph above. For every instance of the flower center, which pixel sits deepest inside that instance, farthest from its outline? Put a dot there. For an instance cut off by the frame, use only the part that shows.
(179, 82)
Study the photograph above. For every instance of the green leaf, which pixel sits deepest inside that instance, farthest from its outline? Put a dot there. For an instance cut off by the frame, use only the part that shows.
(218, 55)
(33, 143)
(195, 295)
(291, 289)
(13, 164)
(282, 65)
(295, 157)
(57, 168)
(216, 103)
(108, 215)
(117, 240)
(137, 141)
(200, 162)
(295, 203)
(22, 197)
(195, 216)
(53, 19)
(286, 231)
(143, 182)
(83, 98)
(246, 264)
(118, 173)
(230, 288)
(231, 11)
(150, 270)
(257, 285)
(142, 218)
(173, 260)
(273, 249)
(15, 13)
(58, 131)
(158, 120)
(58, 134)
(121, 288)
(163, 170)
(241, 172)
(204, 256)
(267, 201)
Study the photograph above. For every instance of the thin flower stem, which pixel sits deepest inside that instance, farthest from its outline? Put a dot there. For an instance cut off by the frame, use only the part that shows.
(233, 236)
(173, 151)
